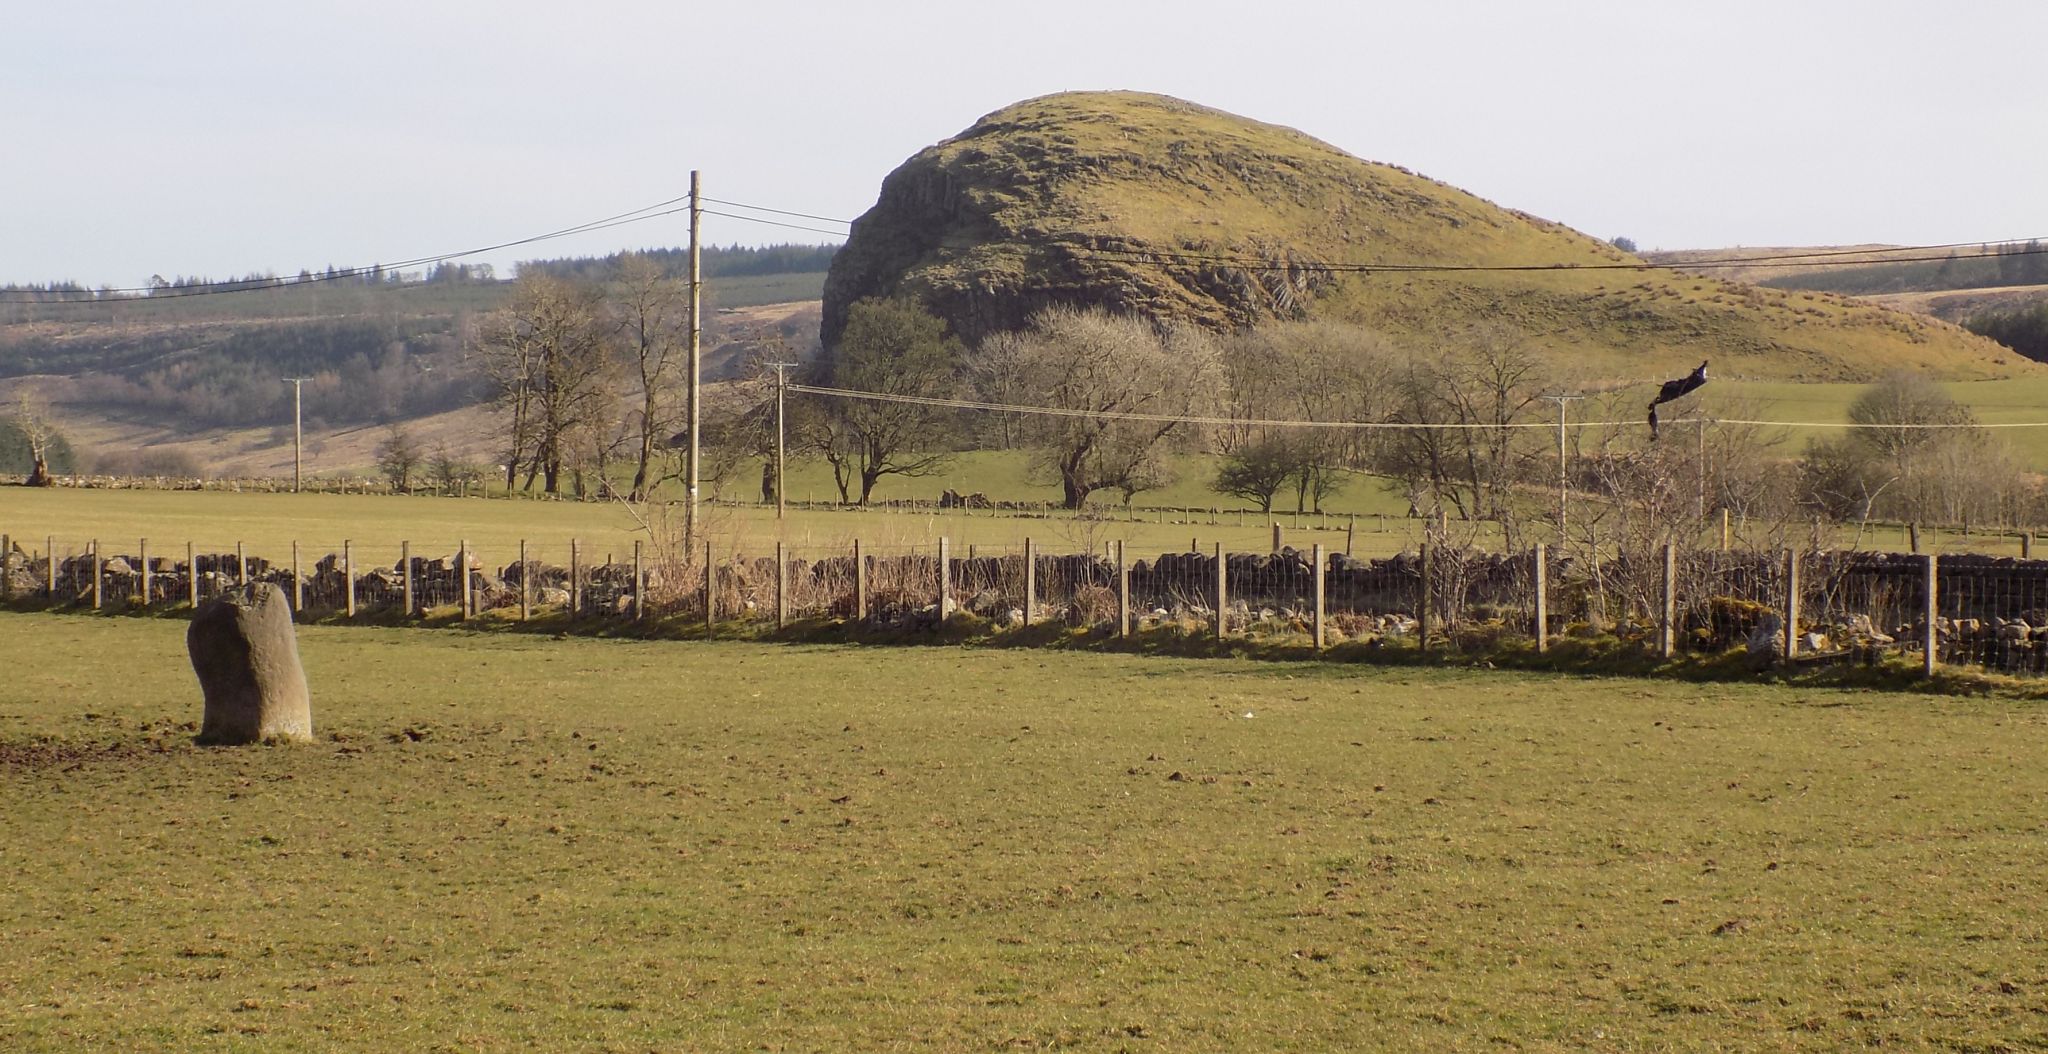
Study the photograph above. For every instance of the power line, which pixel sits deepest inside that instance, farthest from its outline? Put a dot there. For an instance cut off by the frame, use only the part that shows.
(1132, 415)
(1779, 261)
(778, 212)
(773, 223)
(647, 212)
(1819, 257)
(1255, 422)
(1782, 259)
(1807, 259)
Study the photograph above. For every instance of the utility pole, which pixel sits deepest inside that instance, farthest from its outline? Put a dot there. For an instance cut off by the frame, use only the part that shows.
(696, 360)
(298, 434)
(1563, 474)
(781, 386)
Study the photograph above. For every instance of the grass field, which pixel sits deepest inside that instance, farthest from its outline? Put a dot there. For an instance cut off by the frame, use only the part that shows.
(268, 524)
(506, 842)
(2002, 402)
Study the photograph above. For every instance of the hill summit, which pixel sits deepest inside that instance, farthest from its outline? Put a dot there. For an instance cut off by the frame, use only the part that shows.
(1149, 204)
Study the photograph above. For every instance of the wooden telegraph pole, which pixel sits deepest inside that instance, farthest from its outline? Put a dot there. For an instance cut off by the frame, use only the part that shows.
(696, 359)
(781, 387)
(298, 433)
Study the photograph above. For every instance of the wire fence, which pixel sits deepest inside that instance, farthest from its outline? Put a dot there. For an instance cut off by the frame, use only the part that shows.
(1788, 605)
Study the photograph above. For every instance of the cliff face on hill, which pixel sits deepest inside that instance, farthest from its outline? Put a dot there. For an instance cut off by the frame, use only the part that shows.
(1148, 204)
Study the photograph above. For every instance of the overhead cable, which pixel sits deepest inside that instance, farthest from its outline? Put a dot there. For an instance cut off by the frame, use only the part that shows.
(244, 285)
(1260, 422)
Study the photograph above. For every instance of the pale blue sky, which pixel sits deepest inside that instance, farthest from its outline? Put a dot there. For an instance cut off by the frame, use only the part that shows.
(227, 137)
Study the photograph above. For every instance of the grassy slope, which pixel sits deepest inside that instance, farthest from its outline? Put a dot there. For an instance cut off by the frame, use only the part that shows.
(510, 842)
(1019, 205)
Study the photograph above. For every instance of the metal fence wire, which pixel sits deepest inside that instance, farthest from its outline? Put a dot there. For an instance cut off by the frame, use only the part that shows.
(1817, 606)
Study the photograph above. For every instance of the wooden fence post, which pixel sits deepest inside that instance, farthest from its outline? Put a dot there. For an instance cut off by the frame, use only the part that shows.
(462, 568)
(1791, 603)
(191, 576)
(1123, 592)
(2027, 545)
(405, 566)
(50, 568)
(1542, 563)
(142, 555)
(1930, 640)
(241, 566)
(1667, 616)
(1030, 580)
(576, 577)
(710, 590)
(860, 584)
(525, 584)
(1913, 536)
(639, 583)
(1422, 609)
(98, 570)
(298, 582)
(1322, 567)
(1724, 528)
(348, 574)
(1350, 533)
(1276, 535)
(1222, 593)
(781, 585)
(945, 578)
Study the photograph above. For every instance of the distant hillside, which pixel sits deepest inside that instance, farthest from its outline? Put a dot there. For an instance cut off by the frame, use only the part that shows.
(1999, 291)
(1150, 204)
(179, 372)
(734, 261)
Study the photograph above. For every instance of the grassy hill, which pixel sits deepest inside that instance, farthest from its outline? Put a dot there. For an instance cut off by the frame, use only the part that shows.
(1146, 203)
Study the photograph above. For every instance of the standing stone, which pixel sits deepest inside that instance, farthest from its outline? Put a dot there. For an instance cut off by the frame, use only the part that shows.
(246, 654)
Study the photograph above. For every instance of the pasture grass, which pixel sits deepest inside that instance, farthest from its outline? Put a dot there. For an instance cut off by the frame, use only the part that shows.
(507, 841)
(2006, 402)
(268, 524)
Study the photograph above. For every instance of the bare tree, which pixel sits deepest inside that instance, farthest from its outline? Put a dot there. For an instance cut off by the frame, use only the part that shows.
(450, 472)
(545, 355)
(1095, 366)
(997, 373)
(1919, 455)
(651, 313)
(32, 419)
(1476, 392)
(398, 456)
(1300, 371)
(894, 348)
